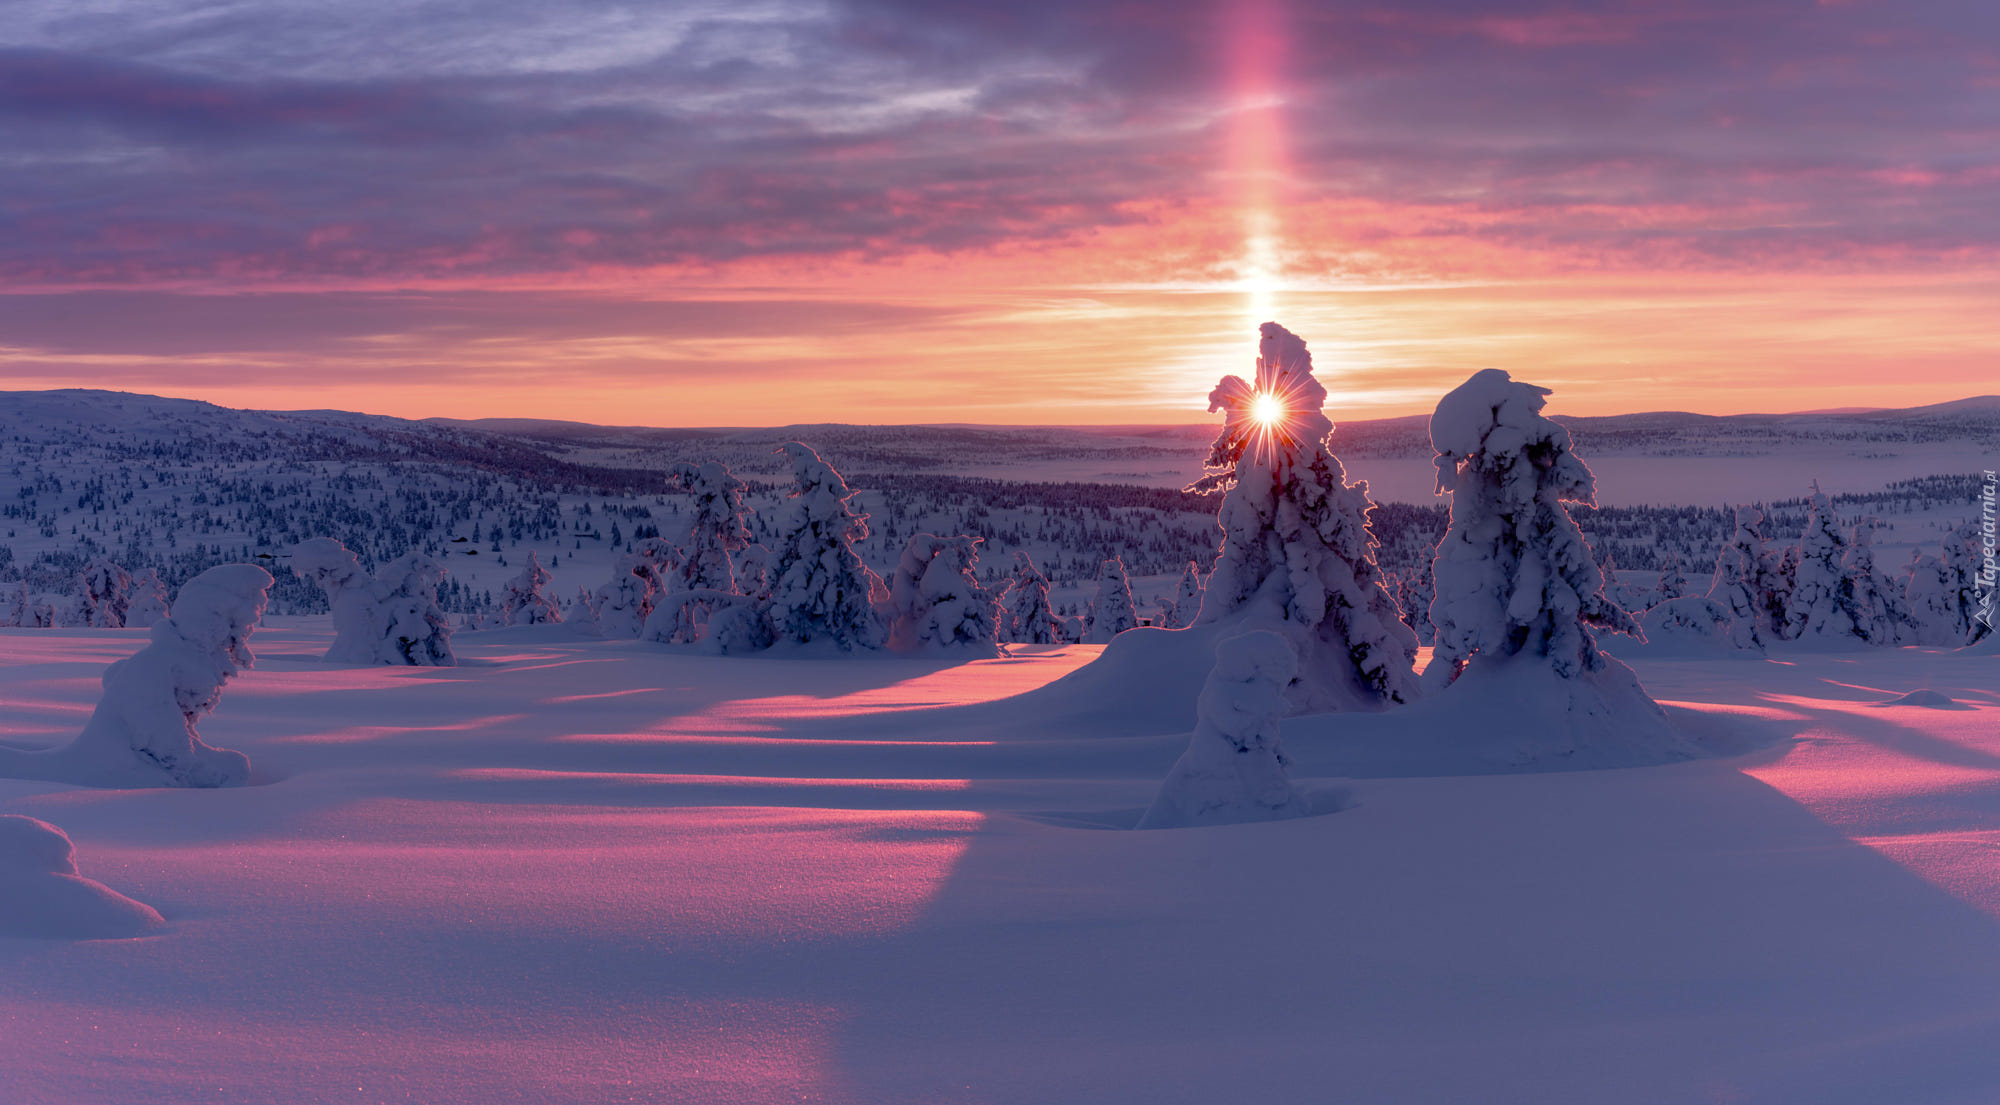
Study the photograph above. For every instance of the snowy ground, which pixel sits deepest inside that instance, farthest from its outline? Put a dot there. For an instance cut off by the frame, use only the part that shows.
(580, 871)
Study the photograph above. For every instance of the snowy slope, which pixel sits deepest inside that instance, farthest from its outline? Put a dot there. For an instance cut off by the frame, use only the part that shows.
(586, 871)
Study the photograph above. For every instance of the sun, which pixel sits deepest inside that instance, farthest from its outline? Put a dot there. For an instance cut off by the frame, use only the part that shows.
(1267, 410)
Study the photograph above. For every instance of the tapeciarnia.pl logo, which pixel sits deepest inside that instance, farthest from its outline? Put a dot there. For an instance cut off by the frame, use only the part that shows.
(1989, 571)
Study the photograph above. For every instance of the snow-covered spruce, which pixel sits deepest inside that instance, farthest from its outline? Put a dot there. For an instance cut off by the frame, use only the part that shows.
(1738, 589)
(1297, 554)
(1111, 611)
(1814, 610)
(103, 595)
(149, 600)
(716, 531)
(638, 579)
(1234, 769)
(1868, 602)
(389, 618)
(1518, 592)
(142, 733)
(821, 589)
(1672, 583)
(753, 571)
(1025, 614)
(1941, 594)
(42, 896)
(523, 602)
(1185, 606)
(936, 603)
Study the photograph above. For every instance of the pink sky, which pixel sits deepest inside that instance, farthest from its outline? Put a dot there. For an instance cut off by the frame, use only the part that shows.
(888, 211)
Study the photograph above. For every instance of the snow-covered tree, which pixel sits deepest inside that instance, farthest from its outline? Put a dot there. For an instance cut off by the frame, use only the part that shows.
(1867, 600)
(1697, 624)
(1025, 615)
(1415, 596)
(418, 633)
(17, 606)
(581, 610)
(143, 730)
(103, 595)
(753, 571)
(1672, 583)
(1739, 575)
(1973, 583)
(822, 589)
(523, 602)
(638, 578)
(1235, 769)
(1815, 611)
(1931, 603)
(149, 600)
(389, 618)
(715, 531)
(1514, 576)
(936, 603)
(1111, 612)
(1628, 596)
(1185, 606)
(1297, 554)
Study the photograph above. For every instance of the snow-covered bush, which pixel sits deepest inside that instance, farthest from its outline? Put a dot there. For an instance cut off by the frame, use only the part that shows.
(103, 595)
(43, 897)
(1234, 769)
(143, 730)
(1111, 612)
(822, 590)
(1514, 576)
(1816, 609)
(523, 602)
(149, 600)
(622, 605)
(1025, 615)
(1737, 587)
(1297, 554)
(389, 618)
(936, 602)
(1185, 606)
(1697, 625)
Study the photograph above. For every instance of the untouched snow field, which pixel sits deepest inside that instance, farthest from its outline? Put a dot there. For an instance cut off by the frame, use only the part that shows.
(589, 871)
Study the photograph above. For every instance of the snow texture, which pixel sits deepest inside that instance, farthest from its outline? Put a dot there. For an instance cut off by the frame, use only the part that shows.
(1297, 555)
(142, 733)
(823, 591)
(43, 897)
(1234, 769)
(523, 602)
(1111, 611)
(936, 603)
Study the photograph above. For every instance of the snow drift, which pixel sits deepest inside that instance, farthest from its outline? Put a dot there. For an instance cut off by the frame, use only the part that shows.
(43, 897)
(1234, 769)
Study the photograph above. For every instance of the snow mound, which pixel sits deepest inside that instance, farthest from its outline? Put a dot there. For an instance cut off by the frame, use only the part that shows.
(1932, 699)
(1516, 716)
(43, 897)
(1234, 769)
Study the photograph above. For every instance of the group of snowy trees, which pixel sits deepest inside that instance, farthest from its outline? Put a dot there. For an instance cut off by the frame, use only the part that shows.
(729, 595)
(1828, 589)
(107, 597)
